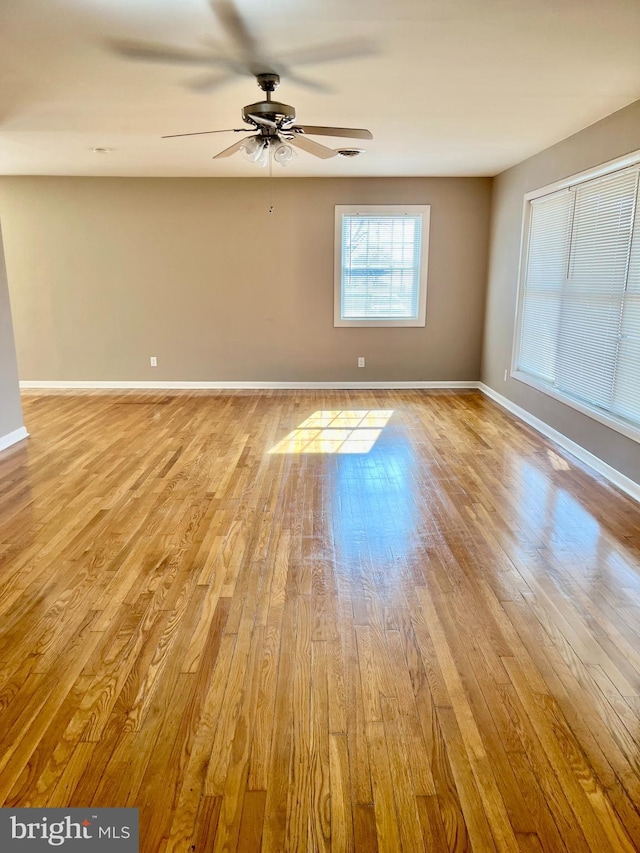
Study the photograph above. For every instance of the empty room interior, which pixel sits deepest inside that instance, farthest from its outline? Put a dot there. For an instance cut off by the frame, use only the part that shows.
(320, 443)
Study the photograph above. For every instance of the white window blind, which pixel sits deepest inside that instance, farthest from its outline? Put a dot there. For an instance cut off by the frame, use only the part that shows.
(380, 266)
(579, 330)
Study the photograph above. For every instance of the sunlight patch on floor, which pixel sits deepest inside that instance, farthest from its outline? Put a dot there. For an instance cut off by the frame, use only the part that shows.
(339, 431)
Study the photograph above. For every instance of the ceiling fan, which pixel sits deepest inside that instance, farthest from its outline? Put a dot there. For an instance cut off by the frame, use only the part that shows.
(272, 125)
(272, 128)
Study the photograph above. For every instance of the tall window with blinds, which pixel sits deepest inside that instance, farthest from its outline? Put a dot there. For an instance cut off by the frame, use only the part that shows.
(578, 334)
(381, 265)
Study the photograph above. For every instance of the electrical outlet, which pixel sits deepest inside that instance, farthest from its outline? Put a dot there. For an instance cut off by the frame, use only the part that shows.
(153, 361)
(360, 361)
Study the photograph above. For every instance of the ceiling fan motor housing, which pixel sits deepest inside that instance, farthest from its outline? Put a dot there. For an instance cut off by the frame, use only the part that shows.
(272, 110)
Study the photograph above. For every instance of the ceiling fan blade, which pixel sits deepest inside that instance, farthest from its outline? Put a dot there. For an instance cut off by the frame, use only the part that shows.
(203, 132)
(253, 60)
(209, 82)
(332, 52)
(307, 82)
(264, 121)
(312, 147)
(231, 19)
(227, 152)
(152, 52)
(348, 132)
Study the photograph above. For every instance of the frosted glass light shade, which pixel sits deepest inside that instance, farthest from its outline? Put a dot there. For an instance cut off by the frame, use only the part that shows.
(252, 148)
(283, 154)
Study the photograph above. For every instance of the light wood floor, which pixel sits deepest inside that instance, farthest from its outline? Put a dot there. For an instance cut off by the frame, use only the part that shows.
(432, 645)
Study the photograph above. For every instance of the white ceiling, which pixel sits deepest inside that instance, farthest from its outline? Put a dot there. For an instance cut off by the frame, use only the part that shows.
(457, 87)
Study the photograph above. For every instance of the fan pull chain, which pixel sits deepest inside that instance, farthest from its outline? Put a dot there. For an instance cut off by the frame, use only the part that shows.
(270, 181)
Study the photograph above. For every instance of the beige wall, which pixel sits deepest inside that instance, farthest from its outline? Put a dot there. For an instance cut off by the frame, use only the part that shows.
(614, 136)
(10, 409)
(105, 272)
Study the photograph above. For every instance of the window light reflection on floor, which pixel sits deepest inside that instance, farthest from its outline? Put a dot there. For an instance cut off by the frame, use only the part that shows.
(339, 431)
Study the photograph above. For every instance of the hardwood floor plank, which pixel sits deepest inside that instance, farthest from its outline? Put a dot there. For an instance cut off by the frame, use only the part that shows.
(250, 836)
(402, 778)
(340, 801)
(320, 820)
(364, 829)
(387, 826)
(206, 827)
(263, 722)
(235, 781)
(276, 815)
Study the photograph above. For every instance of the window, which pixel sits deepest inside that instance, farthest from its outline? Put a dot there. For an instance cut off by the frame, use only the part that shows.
(578, 330)
(381, 265)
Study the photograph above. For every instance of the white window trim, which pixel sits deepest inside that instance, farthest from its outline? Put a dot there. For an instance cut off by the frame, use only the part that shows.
(599, 415)
(424, 210)
(612, 421)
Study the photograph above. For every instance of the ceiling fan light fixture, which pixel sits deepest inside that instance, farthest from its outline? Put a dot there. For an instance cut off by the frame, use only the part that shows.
(283, 153)
(253, 149)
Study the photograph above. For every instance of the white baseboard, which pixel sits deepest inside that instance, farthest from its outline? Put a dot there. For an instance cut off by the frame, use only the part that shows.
(13, 437)
(612, 474)
(257, 385)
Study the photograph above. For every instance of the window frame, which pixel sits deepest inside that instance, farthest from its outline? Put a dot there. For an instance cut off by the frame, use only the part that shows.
(424, 211)
(611, 420)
